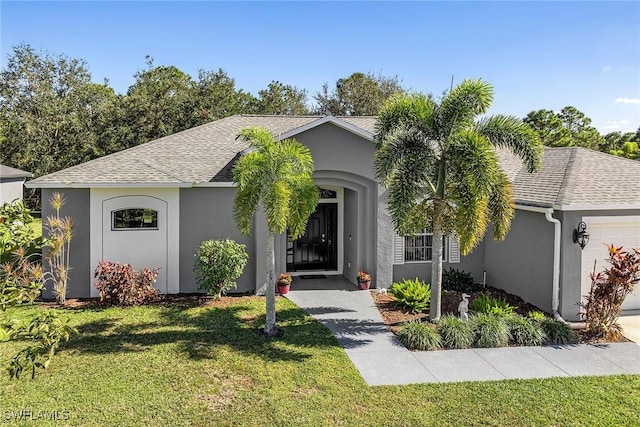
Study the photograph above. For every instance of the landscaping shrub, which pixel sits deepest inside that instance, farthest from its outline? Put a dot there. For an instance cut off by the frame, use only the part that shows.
(536, 315)
(417, 335)
(17, 232)
(486, 304)
(524, 331)
(120, 284)
(414, 295)
(557, 332)
(218, 264)
(609, 288)
(489, 330)
(455, 332)
(457, 280)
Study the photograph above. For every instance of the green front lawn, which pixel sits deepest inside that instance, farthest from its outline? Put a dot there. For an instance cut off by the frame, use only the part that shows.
(173, 366)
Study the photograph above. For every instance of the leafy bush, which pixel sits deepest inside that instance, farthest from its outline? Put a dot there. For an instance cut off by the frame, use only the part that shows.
(457, 280)
(489, 330)
(17, 232)
(524, 331)
(557, 332)
(414, 295)
(218, 264)
(538, 316)
(417, 335)
(46, 332)
(486, 304)
(120, 284)
(455, 332)
(608, 290)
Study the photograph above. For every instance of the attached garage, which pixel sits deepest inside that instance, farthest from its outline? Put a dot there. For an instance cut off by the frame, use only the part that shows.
(618, 230)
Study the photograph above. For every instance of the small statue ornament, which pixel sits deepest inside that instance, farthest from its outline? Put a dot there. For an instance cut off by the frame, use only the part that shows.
(463, 307)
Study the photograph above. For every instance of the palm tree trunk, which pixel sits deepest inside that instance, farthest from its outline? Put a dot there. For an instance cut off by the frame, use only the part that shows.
(270, 323)
(436, 264)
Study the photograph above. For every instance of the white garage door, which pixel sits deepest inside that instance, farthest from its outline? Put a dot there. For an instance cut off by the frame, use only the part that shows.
(620, 231)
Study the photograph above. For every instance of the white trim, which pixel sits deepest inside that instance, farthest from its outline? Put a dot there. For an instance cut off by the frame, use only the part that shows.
(621, 219)
(605, 207)
(327, 119)
(109, 185)
(213, 184)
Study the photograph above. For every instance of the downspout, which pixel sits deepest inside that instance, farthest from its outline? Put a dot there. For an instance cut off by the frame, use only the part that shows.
(557, 235)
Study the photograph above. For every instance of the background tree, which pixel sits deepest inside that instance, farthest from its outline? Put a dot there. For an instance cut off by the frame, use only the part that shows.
(217, 97)
(357, 95)
(48, 107)
(274, 175)
(282, 99)
(568, 128)
(442, 171)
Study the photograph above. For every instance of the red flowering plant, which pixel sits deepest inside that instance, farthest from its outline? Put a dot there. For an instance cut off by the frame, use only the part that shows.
(363, 276)
(284, 279)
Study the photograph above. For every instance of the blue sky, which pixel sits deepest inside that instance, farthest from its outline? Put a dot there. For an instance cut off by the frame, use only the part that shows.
(536, 54)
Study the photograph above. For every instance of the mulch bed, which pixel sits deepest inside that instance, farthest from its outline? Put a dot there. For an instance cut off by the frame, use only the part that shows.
(395, 316)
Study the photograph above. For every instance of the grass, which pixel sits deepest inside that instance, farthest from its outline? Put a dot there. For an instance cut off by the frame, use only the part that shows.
(177, 366)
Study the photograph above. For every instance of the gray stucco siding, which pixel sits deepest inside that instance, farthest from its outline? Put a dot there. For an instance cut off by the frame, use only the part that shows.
(522, 264)
(207, 213)
(77, 206)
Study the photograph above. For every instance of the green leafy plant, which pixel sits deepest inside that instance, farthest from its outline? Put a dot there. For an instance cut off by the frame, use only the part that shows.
(417, 335)
(413, 295)
(486, 304)
(457, 280)
(524, 331)
(46, 332)
(609, 288)
(120, 284)
(489, 330)
(557, 332)
(218, 264)
(536, 315)
(58, 247)
(455, 332)
(17, 231)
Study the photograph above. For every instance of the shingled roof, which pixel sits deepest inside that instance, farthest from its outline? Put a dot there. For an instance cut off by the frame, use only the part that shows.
(569, 176)
(9, 172)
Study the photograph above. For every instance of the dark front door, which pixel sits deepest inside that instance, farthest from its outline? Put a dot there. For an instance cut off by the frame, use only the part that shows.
(317, 248)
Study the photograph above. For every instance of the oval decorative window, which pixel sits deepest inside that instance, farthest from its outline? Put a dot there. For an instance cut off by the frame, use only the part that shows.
(134, 218)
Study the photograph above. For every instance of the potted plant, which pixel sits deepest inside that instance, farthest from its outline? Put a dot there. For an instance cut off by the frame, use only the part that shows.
(364, 280)
(284, 283)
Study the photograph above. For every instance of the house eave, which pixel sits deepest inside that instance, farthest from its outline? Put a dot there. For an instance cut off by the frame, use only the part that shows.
(108, 184)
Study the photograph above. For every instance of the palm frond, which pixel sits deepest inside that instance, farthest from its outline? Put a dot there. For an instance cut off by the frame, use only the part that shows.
(513, 134)
(501, 206)
(404, 111)
(459, 107)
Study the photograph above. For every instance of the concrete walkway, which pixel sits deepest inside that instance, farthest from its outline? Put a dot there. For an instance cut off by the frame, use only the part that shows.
(353, 318)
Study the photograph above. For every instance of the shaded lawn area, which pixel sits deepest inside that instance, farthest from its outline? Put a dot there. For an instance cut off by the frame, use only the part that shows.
(206, 365)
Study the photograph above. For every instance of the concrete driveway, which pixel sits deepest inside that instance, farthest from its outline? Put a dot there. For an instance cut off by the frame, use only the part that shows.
(630, 322)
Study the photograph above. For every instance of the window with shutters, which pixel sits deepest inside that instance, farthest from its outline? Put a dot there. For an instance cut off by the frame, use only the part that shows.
(419, 247)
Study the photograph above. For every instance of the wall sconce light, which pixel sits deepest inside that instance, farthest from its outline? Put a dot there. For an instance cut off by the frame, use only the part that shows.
(580, 235)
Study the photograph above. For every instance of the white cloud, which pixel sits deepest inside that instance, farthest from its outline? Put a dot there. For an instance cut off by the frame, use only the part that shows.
(611, 127)
(624, 122)
(606, 68)
(627, 101)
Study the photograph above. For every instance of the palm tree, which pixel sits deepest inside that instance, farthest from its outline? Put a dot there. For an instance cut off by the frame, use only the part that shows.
(442, 171)
(274, 175)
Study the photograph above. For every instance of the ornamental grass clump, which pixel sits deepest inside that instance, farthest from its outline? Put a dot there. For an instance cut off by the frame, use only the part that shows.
(609, 288)
(455, 332)
(417, 335)
(524, 331)
(557, 332)
(489, 331)
(413, 295)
